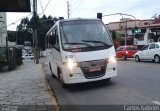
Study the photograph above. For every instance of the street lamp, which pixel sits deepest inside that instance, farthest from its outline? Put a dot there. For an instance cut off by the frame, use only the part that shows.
(110, 14)
(119, 14)
(127, 15)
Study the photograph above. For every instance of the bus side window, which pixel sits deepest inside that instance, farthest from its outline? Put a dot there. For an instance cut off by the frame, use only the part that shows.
(57, 41)
(52, 40)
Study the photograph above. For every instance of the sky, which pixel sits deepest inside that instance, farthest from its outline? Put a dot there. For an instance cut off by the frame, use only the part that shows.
(140, 9)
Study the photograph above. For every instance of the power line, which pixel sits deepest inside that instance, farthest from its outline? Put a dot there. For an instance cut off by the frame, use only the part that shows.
(20, 19)
(69, 7)
(15, 21)
(41, 4)
(71, 1)
(74, 3)
(29, 14)
(45, 7)
(77, 6)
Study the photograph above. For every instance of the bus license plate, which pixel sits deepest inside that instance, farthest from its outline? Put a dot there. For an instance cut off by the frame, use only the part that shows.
(94, 69)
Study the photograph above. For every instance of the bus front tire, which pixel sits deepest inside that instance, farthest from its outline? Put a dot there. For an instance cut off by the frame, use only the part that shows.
(50, 67)
(108, 79)
(61, 81)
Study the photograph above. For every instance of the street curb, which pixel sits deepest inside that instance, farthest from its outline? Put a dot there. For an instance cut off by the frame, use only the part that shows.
(53, 98)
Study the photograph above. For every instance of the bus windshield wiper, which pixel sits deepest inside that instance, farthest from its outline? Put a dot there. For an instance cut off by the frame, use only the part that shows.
(95, 41)
(77, 43)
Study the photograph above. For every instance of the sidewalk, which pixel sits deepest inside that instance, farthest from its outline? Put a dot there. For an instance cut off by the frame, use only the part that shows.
(25, 86)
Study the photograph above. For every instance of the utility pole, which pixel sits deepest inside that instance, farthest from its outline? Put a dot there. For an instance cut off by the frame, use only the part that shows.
(36, 53)
(16, 35)
(1, 31)
(126, 34)
(68, 9)
(7, 52)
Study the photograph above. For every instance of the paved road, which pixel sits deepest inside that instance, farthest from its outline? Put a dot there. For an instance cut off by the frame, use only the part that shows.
(136, 84)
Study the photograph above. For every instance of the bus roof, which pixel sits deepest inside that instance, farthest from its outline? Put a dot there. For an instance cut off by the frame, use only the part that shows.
(71, 19)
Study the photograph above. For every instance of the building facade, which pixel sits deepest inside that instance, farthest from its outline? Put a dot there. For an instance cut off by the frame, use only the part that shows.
(148, 31)
(3, 28)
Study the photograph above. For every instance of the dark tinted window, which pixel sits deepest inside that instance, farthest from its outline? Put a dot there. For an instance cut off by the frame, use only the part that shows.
(119, 49)
(131, 48)
(145, 47)
(157, 46)
(152, 46)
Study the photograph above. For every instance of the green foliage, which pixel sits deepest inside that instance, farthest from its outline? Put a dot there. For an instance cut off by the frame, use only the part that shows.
(11, 36)
(43, 24)
(113, 35)
(2, 57)
(118, 36)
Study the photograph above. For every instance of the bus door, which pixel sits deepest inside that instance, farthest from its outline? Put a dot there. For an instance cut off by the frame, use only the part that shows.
(57, 54)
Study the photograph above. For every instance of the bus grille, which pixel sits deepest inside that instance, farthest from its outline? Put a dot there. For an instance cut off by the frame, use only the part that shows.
(85, 67)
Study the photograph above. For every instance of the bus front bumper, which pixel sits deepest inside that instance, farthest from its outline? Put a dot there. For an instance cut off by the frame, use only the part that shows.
(77, 76)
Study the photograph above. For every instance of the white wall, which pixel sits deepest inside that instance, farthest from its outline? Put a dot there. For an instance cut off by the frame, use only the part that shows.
(3, 28)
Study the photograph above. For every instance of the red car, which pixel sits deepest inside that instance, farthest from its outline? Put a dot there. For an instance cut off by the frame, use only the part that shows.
(125, 52)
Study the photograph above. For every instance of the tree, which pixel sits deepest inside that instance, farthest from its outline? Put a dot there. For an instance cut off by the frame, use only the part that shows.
(118, 36)
(156, 18)
(25, 27)
(11, 36)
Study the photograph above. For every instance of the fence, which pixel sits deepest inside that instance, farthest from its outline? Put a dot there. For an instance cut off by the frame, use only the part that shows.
(10, 57)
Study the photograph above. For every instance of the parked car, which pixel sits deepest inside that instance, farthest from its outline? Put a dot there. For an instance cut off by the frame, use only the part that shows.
(125, 52)
(28, 56)
(149, 52)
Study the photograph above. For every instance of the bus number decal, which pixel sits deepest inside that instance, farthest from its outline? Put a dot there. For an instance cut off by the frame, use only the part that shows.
(68, 56)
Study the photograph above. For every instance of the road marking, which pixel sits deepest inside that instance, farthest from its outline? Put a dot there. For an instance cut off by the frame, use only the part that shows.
(156, 102)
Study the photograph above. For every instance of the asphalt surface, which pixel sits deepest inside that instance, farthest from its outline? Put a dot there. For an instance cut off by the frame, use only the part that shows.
(137, 83)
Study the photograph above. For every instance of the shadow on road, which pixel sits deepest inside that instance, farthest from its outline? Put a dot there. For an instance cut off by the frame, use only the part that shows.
(54, 82)
(132, 60)
(90, 85)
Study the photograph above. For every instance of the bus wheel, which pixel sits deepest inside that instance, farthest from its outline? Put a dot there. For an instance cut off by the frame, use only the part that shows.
(108, 79)
(50, 67)
(60, 77)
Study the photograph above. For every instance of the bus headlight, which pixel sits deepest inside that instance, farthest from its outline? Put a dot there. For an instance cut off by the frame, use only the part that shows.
(112, 60)
(71, 64)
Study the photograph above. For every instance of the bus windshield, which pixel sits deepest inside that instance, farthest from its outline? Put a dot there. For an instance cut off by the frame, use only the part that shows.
(85, 34)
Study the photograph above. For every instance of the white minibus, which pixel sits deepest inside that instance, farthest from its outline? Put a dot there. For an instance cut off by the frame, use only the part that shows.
(80, 50)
